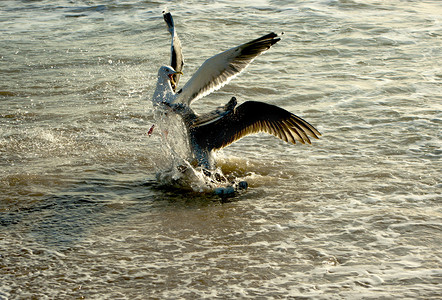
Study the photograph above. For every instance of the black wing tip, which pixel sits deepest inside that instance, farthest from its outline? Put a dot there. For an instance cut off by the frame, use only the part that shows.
(260, 45)
(168, 18)
(274, 37)
(274, 41)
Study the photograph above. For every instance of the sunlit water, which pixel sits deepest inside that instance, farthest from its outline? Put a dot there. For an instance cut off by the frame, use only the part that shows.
(356, 214)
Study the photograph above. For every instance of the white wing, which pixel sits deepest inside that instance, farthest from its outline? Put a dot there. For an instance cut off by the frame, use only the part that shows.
(176, 59)
(218, 70)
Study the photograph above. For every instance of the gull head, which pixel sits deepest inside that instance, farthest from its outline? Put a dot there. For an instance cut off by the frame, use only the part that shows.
(164, 91)
(165, 73)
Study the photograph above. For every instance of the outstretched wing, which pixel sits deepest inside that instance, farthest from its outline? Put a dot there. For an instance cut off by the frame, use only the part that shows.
(253, 117)
(218, 70)
(177, 58)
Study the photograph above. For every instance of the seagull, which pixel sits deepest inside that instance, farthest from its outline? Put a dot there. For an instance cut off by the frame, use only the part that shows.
(229, 123)
(213, 74)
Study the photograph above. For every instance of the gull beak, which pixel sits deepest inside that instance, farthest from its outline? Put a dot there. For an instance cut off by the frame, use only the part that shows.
(171, 77)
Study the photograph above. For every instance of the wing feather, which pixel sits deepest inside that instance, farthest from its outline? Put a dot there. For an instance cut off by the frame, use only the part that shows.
(306, 126)
(290, 133)
(176, 58)
(218, 70)
(253, 117)
(299, 132)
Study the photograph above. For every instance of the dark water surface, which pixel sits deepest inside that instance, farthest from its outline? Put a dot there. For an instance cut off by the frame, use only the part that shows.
(355, 215)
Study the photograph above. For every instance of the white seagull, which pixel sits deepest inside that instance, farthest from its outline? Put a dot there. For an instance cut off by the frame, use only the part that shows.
(229, 123)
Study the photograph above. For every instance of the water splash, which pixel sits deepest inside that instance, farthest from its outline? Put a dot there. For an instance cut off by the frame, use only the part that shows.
(175, 168)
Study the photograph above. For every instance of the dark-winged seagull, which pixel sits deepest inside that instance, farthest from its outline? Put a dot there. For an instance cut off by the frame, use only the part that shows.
(229, 123)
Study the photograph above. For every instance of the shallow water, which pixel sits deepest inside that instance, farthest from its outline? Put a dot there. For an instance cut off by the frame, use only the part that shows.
(354, 215)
